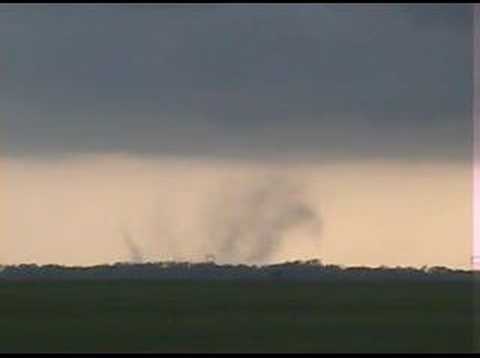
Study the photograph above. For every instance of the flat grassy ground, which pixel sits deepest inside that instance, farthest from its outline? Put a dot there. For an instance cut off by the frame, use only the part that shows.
(235, 316)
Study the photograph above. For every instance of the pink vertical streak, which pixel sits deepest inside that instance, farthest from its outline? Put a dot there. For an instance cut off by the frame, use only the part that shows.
(476, 138)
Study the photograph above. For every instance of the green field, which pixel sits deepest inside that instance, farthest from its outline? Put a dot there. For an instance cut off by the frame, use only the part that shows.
(235, 316)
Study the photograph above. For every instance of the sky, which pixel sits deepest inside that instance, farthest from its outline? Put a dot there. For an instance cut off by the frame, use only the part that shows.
(254, 133)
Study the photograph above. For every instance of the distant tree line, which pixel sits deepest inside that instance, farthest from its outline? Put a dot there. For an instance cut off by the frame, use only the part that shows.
(294, 270)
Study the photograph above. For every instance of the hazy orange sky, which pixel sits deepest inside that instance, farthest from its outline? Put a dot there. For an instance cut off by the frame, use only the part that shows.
(371, 213)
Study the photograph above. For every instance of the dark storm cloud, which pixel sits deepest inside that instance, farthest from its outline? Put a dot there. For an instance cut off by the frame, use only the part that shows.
(238, 80)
